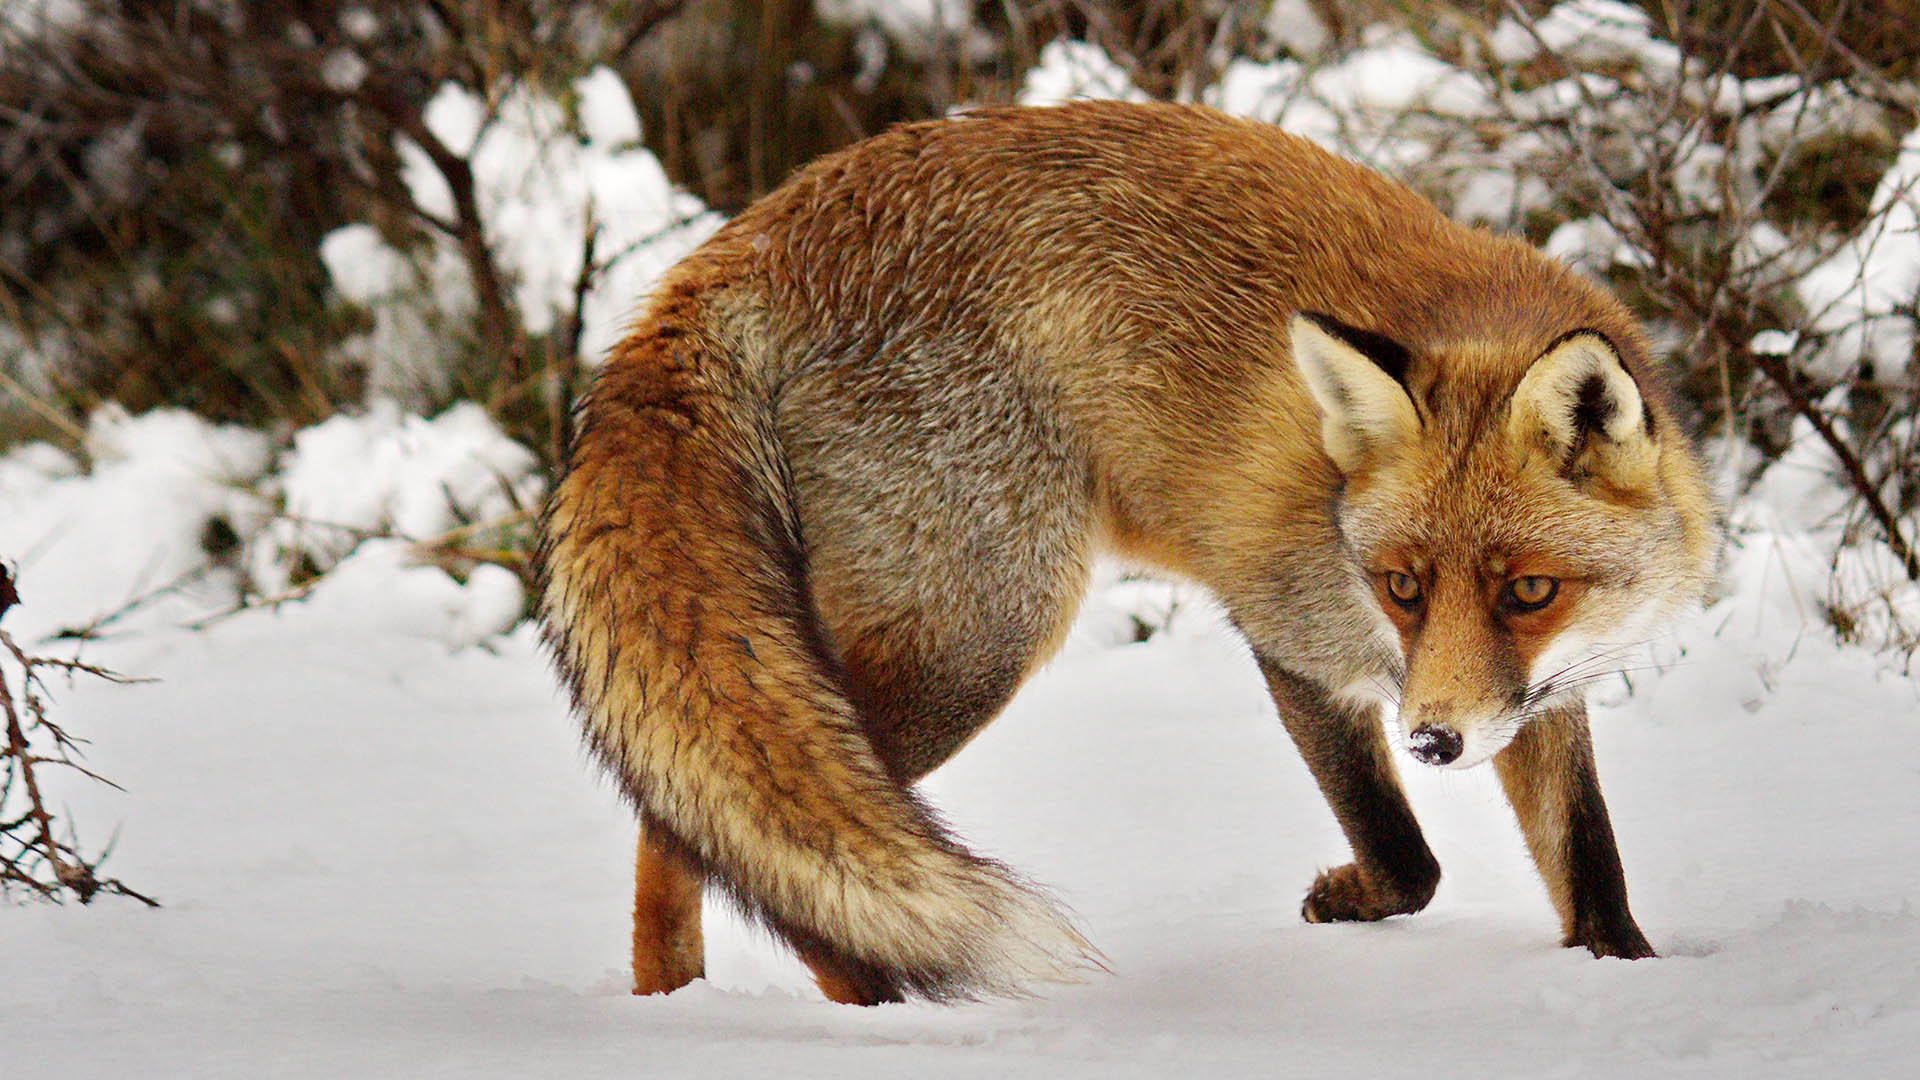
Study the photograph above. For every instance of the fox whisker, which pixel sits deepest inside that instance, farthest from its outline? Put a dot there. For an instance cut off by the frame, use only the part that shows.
(1597, 665)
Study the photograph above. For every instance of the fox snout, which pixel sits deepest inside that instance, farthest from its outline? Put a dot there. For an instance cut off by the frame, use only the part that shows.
(1466, 690)
(1435, 744)
(1449, 740)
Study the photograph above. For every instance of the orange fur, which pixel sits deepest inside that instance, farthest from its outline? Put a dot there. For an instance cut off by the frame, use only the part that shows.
(667, 944)
(836, 497)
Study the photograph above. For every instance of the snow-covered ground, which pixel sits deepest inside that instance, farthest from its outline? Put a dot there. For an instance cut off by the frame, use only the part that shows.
(382, 852)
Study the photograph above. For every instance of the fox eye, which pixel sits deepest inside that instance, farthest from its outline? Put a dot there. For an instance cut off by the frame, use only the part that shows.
(1531, 593)
(1404, 588)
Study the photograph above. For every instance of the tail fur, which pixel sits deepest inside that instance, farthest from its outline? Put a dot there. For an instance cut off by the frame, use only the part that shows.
(675, 600)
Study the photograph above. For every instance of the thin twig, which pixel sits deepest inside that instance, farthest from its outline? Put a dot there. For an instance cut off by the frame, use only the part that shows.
(32, 855)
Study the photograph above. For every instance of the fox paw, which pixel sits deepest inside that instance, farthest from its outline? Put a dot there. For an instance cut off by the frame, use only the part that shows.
(1346, 894)
(1624, 941)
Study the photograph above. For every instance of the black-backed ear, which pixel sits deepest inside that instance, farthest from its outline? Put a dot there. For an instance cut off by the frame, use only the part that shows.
(1578, 405)
(1354, 376)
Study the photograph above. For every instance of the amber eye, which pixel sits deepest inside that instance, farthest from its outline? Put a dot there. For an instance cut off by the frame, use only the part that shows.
(1404, 588)
(1531, 593)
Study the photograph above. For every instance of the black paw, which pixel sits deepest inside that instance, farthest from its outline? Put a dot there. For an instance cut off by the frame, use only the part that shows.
(1624, 941)
(1346, 894)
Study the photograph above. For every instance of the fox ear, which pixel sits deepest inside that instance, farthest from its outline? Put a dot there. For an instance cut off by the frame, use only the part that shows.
(1578, 405)
(1354, 377)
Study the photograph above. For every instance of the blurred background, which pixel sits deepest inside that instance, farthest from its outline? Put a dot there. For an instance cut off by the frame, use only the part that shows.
(273, 214)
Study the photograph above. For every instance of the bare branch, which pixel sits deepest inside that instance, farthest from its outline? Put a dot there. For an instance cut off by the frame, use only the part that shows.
(33, 857)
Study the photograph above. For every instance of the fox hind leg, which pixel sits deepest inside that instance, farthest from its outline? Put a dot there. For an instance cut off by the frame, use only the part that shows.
(945, 562)
(845, 980)
(1393, 872)
(668, 946)
(920, 706)
(1549, 777)
(668, 949)
(918, 713)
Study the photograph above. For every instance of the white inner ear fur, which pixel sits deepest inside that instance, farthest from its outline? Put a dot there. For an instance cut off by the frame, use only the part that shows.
(1363, 410)
(1549, 393)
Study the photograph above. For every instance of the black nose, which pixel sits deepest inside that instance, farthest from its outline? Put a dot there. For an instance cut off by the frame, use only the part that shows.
(1434, 745)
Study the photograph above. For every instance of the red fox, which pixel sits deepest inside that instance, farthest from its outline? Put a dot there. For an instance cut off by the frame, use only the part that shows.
(836, 494)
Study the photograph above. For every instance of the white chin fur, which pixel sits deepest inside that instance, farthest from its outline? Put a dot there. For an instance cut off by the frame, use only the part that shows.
(1479, 746)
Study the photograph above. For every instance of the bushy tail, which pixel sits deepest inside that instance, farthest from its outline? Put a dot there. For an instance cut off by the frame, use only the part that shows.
(675, 600)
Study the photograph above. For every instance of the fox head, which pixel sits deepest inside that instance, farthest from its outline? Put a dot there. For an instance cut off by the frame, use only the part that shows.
(1518, 522)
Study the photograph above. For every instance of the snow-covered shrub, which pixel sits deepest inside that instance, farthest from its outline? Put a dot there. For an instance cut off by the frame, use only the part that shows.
(1786, 294)
(140, 526)
(267, 213)
(1077, 70)
(391, 474)
(500, 222)
(579, 220)
(412, 524)
(384, 586)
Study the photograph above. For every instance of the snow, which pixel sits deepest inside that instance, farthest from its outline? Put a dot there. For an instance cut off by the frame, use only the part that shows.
(386, 471)
(1587, 33)
(382, 588)
(83, 544)
(30, 18)
(546, 176)
(1396, 75)
(541, 194)
(383, 853)
(414, 298)
(1593, 244)
(1863, 291)
(907, 21)
(1075, 71)
(920, 28)
(1496, 196)
(359, 23)
(606, 109)
(343, 71)
(1295, 25)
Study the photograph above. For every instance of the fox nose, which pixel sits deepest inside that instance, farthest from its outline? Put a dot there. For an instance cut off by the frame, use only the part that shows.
(1434, 744)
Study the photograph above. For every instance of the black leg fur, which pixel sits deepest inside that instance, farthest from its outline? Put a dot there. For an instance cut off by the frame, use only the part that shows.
(1393, 872)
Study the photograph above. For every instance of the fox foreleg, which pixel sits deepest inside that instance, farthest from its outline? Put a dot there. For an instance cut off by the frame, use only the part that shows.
(1549, 776)
(1393, 872)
